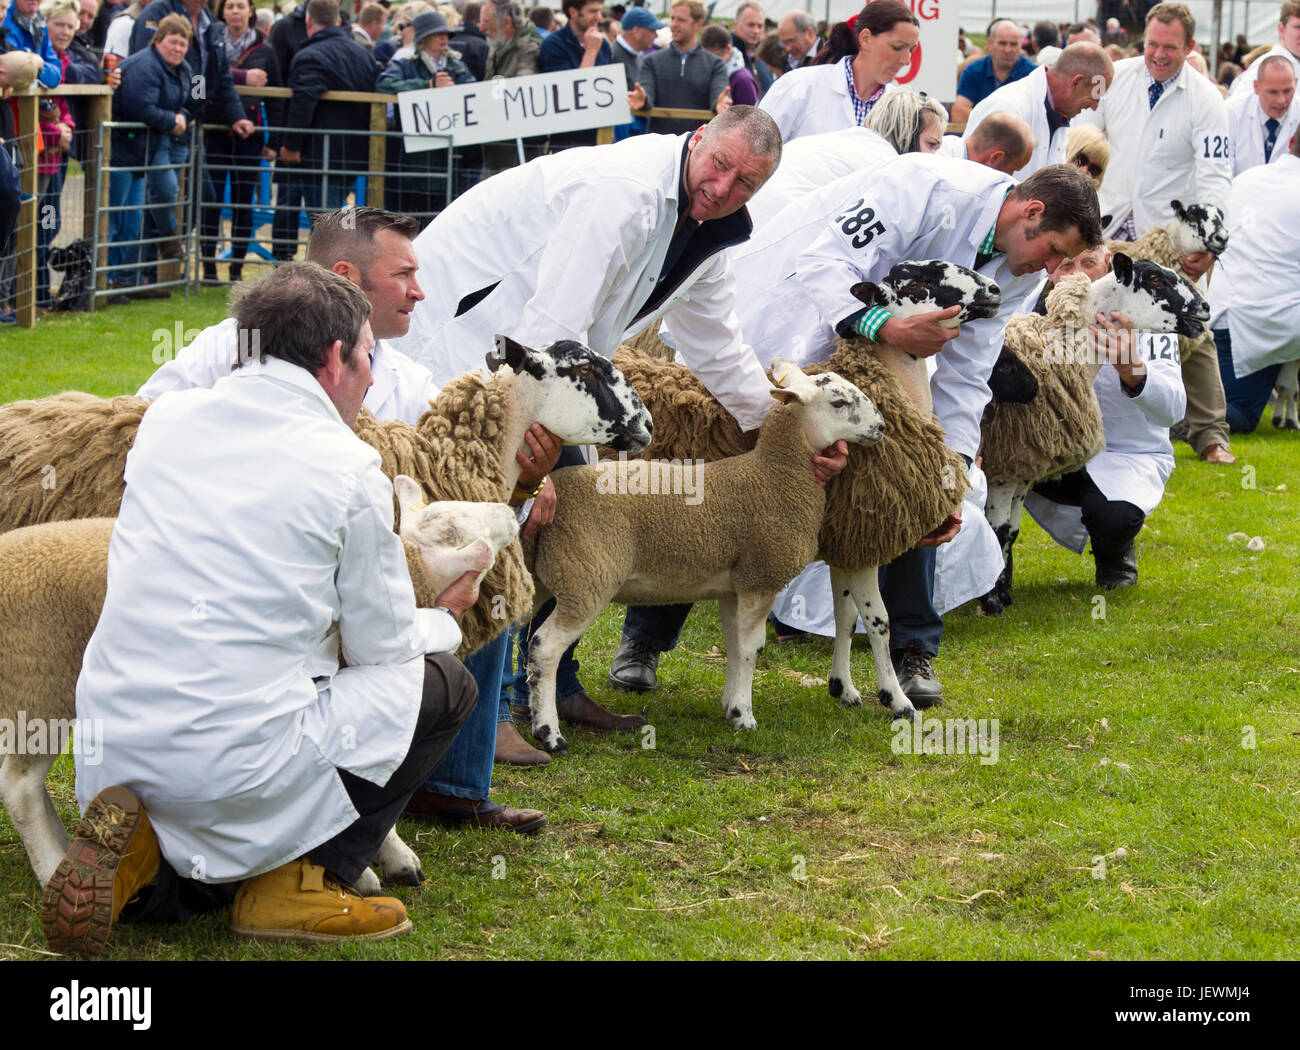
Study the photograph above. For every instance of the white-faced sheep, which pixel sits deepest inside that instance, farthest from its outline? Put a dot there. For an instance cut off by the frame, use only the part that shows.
(1061, 429)
(54, 578)
(890, 495)
(750, 529)
(463, 449)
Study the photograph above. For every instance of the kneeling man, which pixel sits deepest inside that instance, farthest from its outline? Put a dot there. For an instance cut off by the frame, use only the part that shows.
(253, 555)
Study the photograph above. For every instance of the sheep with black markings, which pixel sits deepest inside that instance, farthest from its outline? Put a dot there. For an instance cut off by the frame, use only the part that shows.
(1061, 429)
(753, 527)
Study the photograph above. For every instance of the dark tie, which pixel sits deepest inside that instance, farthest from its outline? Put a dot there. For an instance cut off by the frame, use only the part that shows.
(1154, 92)
(1272, 124)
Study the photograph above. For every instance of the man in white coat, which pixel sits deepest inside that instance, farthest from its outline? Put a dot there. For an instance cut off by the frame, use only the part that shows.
(254, 555)
(1003, 142)
(1254, 310)
(1168, 131)
(1287, 47)
(1048, 99)
(1141, 395)
(1262, 122)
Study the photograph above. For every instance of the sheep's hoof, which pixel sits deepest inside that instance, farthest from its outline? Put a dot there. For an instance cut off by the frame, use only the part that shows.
(404, 876)
(368, 884)
(551, 741)
(844, 692)
(742, 719)
(990, 604)
(1291, 424)
(899, 708)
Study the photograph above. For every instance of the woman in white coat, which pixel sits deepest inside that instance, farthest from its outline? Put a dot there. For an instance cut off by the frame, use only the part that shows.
(1141, 396)
(857, 66)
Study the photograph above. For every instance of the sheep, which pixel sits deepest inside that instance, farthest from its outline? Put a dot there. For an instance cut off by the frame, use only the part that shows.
(751, 530)
(1286, 416)
(54, 580)
(889, 495)
(1061, 429)
(62, 457)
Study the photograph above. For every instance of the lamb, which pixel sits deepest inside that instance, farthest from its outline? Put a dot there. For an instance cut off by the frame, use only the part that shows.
(54, 580)
(62, 457)
(465, 447)
(752, 529)
(888, 496)
(1061, 429)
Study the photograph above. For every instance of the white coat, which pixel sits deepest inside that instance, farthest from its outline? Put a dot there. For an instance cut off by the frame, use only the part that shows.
(813, 161)
(1027, 99)
(923, 207)
(1138, 459)
(812, 100)
(1253, 287)
(569, 246)
(401, 388)
(1246, 125)
(1180, 150)
(232, 593)
(1244, 82)
(953, 146)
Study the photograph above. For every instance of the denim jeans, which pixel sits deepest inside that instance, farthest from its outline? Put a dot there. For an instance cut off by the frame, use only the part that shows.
(125, 189)
(907, 589)
(656, 626)
(164, 182)
(1248, 395)
(466, 769)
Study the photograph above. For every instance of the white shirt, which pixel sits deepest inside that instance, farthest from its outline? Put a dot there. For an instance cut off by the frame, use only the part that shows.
(571, 246)
(1180, 150)
(117, 41)
(813, 161)
(953, 146)
(1027, 99)
(1244, 82)
(1246, 120)
(812, 100)
(254, 548)
(1253, 287)
(401, 388)
(1138, 459)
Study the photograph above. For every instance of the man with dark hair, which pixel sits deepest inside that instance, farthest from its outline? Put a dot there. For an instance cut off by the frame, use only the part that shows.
(471, 42)
(1045, 34)
(238, 749)
(747, 32)
(543, 18)
(580, 44)
(1003, 64)
(1170, 141)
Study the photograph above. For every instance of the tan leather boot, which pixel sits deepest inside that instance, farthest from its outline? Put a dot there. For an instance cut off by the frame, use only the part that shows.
(114, 856)
(301, 901)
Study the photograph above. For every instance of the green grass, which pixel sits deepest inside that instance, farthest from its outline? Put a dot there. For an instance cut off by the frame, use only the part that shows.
(1122, 731)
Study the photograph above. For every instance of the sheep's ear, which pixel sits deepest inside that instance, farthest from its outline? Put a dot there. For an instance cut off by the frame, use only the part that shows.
(789, 379)
(1105, 221)
(785, 397)
(868, 293)
(507, 352)
(1123, 267)
(1179, 210)
(410, 497)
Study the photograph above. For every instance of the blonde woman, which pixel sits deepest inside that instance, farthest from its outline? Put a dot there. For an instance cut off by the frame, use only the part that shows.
(909, 122)
(1088, 149)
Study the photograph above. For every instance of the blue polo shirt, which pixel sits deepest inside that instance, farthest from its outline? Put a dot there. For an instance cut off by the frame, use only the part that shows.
(978, 82)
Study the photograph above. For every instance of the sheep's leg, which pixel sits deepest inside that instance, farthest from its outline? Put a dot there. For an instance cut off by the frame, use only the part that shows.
(744, 627)
(1013, 532)
(1286, 413)
(998, 511)
(22, 791)
(398, 862)
(560, 630)
(865, 587)
(846, 617)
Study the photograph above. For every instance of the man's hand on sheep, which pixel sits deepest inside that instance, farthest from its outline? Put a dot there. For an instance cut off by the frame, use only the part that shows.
(1114, 337)
(830, 461)
(543, 510)
(460, 596)
(538, 459)
(945, 532)
(922, 335)
(1196, 264)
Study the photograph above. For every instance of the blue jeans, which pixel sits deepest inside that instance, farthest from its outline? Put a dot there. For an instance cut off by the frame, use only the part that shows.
(466, 769)
(164, 182)
(126, 189)
(907, 589)
(1248, 395)
(655, 626)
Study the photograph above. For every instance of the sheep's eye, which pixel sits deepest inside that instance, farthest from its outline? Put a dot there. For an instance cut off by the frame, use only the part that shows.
(839, 402)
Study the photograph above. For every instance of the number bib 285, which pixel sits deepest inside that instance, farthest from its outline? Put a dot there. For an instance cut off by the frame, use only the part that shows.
(859, 223)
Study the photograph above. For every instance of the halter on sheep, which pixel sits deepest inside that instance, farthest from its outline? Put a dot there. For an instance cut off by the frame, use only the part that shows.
(614, 542)
(890, 495)
(463, 449)
(1061, 429)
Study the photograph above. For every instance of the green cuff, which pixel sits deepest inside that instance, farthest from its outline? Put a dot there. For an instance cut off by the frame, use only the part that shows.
(870, 322)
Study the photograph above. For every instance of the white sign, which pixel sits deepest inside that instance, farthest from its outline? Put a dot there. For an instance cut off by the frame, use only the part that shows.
(517, 107)
(933, 68)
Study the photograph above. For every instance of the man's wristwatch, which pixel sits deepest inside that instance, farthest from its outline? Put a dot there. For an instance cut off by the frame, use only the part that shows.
(524, 493)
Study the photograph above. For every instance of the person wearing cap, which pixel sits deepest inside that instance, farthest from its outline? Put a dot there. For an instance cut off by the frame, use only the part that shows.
(636, 40)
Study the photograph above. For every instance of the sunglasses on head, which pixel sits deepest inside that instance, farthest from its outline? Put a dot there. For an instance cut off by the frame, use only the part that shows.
(1081, 160)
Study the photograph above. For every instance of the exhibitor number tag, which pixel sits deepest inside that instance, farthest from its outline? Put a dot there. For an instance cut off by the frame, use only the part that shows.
(858, 222)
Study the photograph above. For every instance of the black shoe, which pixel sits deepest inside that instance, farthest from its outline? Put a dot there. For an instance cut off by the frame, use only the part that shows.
(634, 667)
(787, 635)
(1114, 572)
(916, 676)
(236, 273)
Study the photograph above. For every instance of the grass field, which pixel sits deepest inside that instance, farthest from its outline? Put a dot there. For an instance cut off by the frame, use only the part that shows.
(1165, 721)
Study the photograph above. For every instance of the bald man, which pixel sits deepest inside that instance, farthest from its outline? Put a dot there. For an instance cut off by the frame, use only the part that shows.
(1003, 142)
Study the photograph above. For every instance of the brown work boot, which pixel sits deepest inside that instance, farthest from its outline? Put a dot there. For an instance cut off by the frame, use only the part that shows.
(453, 811)
(113, 857)
(581, 710)
(513, 750)
(301, 901)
